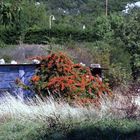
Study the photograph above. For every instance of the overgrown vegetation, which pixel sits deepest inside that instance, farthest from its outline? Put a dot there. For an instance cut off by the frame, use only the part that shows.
(88, 34)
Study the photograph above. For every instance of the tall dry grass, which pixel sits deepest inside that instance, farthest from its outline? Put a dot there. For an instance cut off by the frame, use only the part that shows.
(119, 106)
(36, 120)
(12, 108)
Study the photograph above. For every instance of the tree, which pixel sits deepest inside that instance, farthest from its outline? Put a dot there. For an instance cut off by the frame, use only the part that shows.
(127, 32)
(5, 13)
(131, 39)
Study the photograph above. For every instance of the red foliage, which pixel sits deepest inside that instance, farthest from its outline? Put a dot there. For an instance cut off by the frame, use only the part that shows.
(59, 75)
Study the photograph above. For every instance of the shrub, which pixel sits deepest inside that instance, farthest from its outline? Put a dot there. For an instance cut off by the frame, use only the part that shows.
(2, 44)
(118, 75)
(59, 76)
(10, 35)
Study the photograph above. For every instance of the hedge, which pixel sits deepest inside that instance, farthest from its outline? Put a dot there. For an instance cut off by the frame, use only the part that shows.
(44, 36)
(9, 35)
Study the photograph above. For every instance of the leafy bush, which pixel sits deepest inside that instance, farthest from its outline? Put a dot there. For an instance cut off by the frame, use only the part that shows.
(59, 76)
(10, 35)
(2, 44)
(118, 75)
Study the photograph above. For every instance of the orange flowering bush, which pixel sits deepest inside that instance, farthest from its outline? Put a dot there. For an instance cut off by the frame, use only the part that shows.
(59, 76)
(35, 78)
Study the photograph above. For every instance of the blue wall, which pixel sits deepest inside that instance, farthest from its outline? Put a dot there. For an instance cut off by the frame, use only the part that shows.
(10, 72)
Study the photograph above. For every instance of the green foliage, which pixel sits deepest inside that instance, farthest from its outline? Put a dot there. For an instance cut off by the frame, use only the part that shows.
(118, 75)
(33, 15)
(21, 130)
(2, 44)
(19, 16)
(103, 129)
(5, 13)
(130, 37)
(106, 130)
(102, 28)
(10, 35)
(61, 35)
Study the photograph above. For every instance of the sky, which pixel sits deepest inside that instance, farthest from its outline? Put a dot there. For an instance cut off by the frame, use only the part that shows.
(131, 6)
